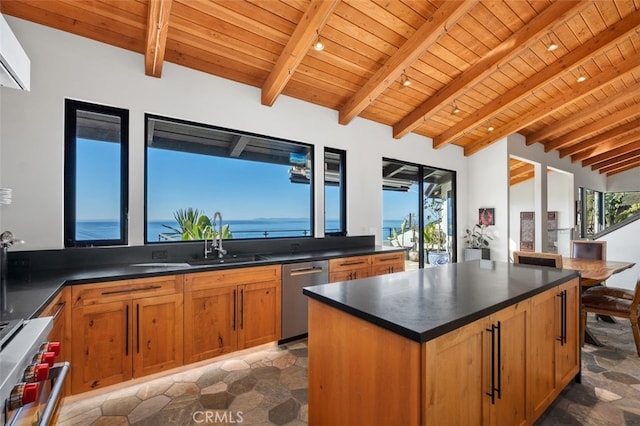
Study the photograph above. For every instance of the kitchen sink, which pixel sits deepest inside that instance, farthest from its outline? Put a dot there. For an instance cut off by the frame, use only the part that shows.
(226, 260)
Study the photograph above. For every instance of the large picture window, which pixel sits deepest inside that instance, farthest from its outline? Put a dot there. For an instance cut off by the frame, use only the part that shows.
(260, 185)
(95, 197)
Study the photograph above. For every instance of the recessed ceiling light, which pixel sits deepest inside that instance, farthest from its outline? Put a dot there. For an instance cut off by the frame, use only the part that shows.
(581, 78)
(552, 46)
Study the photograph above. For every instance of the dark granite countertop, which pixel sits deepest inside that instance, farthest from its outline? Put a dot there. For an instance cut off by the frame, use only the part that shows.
(424, 304)
(27, 296)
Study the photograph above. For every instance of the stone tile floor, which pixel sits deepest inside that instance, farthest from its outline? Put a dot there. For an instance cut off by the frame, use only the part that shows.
(269, 386)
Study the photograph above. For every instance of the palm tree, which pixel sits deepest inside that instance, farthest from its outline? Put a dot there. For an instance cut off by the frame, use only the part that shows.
(196, 226)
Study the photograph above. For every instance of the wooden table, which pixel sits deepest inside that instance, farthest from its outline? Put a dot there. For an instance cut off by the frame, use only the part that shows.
(592, 272)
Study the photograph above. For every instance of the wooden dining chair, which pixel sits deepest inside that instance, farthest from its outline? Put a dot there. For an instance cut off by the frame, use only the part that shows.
(616, 302)
(589, 249)
(553, 260)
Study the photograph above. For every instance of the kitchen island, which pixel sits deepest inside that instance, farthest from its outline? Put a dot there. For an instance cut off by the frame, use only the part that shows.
(477, 342)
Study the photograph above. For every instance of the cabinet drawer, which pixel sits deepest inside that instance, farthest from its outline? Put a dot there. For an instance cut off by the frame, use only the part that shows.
(96, 293)
(214, 279)
(349, 263)
(388, 259)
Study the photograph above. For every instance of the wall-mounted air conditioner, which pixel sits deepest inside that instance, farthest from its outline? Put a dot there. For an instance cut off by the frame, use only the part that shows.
(15, 66)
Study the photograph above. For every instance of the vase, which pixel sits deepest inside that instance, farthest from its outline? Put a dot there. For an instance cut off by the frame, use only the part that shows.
(438, 257)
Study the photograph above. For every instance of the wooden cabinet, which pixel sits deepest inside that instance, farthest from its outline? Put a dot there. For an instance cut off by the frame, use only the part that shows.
(481, 364)
(125, 329)
(387, 263)
(355, 267)
(555, 356)
(231, 309)
(349, 268)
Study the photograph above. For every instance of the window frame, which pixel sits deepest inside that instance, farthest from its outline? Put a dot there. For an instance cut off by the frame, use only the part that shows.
(343, 192)
(70, 167)
(311, 153)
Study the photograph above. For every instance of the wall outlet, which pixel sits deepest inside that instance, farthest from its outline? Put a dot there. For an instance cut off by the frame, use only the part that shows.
(159, 254)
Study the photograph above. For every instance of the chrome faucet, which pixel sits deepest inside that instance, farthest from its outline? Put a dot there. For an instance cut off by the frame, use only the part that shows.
(218, 245)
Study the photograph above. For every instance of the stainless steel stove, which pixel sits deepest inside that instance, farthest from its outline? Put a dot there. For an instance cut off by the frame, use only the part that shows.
(30, 382)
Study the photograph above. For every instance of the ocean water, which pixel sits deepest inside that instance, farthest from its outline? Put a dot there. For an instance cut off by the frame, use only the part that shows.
(241, 229)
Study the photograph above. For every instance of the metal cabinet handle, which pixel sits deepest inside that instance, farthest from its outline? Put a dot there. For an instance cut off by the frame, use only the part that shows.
(496, 358)
(130, 290)
(306, 271)
(234, 309)
(126, 332)
(137, 328)
(59, 310)
(241, 309)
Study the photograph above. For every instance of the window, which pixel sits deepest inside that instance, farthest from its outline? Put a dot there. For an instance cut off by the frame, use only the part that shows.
(260, 185)
(335, 194)
(96, 178)
(591, 212)
(418, 212)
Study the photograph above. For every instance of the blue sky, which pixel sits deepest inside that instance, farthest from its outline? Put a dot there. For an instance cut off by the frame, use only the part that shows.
(238, 189)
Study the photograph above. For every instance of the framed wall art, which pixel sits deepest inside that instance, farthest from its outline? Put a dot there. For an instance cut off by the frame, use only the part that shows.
(486, 216)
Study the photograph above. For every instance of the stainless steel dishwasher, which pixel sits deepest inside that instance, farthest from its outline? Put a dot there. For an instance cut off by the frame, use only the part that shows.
(295, 276)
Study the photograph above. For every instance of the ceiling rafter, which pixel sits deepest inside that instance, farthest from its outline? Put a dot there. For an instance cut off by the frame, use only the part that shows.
(596, 143)
(490, 63)
(621, 167)
(574, 58)
(591, 129)
(614, 156)
(579, 91)
(156, 42)
(434, 27)
(303, 36)
(594, 109)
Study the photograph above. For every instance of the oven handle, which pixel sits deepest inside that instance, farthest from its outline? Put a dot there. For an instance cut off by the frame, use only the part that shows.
(58, 372)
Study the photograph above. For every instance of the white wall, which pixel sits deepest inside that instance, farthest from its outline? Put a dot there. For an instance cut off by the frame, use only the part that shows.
(623, 182)
(521, 199)
(67, 66)
(488, 183)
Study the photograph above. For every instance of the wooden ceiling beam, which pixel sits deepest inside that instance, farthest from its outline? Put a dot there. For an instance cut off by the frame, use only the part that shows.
(490, 63)
(435, 27)
(623, 166)
(594, 109)
(303, 36)
(599, 143)
(579, 91)
(574, 58)
(591, 129)
(156, 41)
(612, 159)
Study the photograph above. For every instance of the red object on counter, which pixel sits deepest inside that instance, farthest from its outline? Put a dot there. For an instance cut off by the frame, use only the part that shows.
(45, 357)
(22, 394)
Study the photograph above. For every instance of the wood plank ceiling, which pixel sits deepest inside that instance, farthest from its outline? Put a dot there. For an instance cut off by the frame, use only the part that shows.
(478, 70)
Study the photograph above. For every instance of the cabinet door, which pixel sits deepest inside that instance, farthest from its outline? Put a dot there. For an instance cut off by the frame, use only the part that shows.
(157, 334)
(349, 268)
(510, 407)
(259, 313)
(456, 376)
(101, 345)
(210, 323)
(568, 359)
(545, 330)
(387, 263)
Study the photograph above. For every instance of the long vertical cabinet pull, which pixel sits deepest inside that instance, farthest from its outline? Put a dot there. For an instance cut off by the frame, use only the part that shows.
(492, 394)
(499, 389)
(241, 309)
(126, 332)
(563, 317)
(137, 328)
(496, 361)
(234, 310)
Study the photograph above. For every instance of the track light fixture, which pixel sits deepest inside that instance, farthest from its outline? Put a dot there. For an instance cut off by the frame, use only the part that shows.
(455, 110)
(581, 76)
(318, 46)
(552, 45)
(404, 80)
